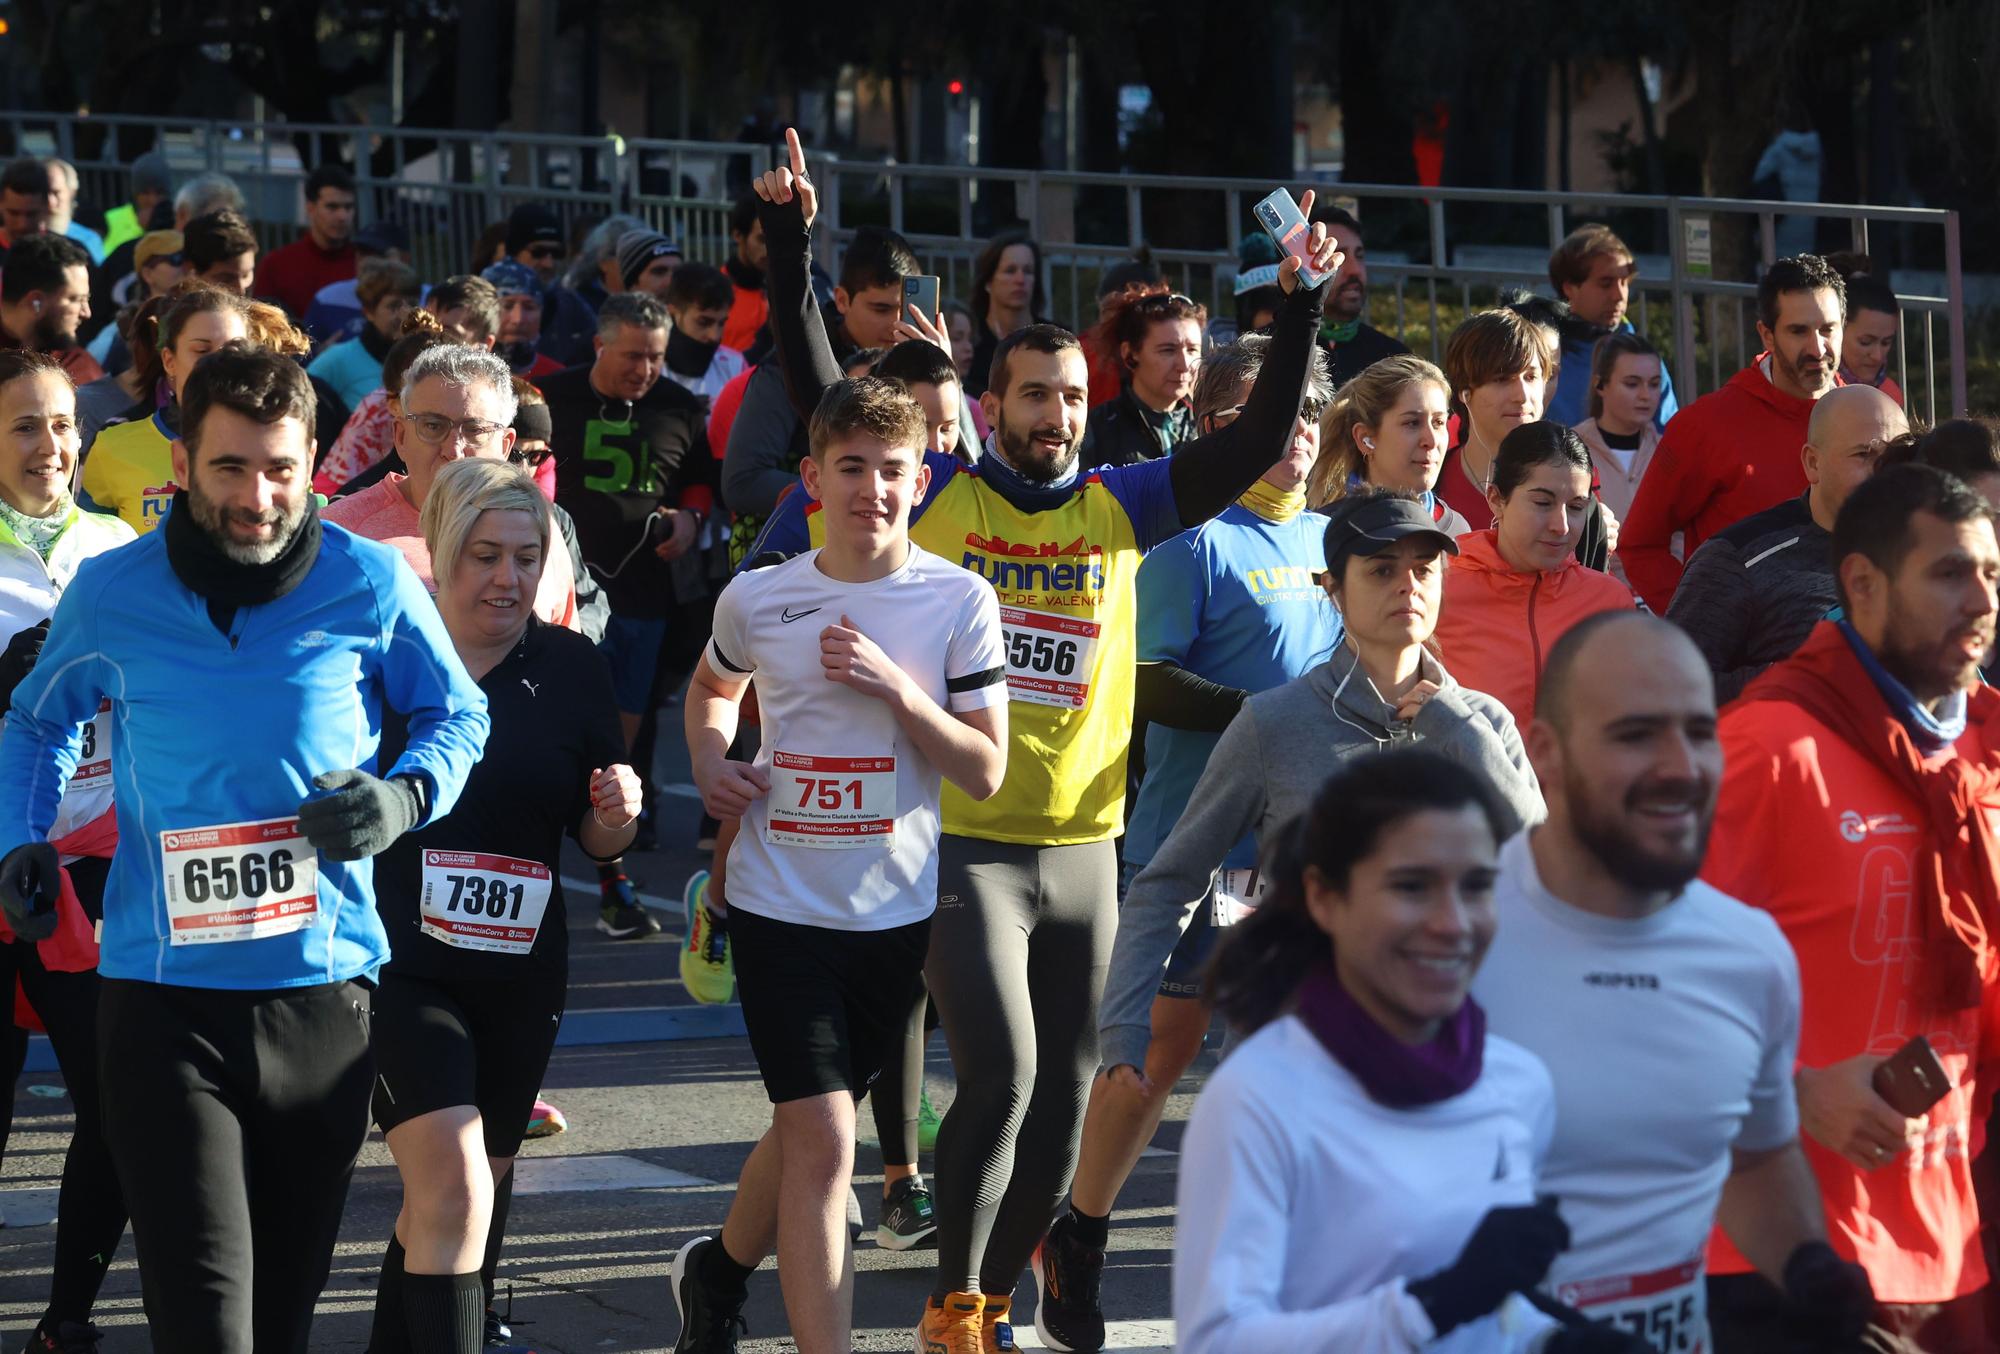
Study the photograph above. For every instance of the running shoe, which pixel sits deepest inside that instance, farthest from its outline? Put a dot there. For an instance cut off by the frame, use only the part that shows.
(70, 1337)
(853, 1216)
(994, 1328)
(928, 1120)
(906, 1216)
(499, 1336)
(545, 1120)
(1069, 1277)
(620, 914)
(707, 970)
(708, 1325)
(952, 1326)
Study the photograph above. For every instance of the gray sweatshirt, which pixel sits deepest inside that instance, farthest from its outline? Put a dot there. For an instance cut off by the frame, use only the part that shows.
(1271, 760)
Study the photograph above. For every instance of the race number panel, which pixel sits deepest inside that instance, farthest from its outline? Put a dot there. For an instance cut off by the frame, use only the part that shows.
(93, 762)
(1237, 894)
(831, 802)
(1050, 657)
(239, 881)
(476, 901)
(1667, 1309)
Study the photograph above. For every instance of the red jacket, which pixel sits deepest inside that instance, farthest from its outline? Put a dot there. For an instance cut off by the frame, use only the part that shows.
(1814, 832)
(1731, 453)
(1496, 624)
(293, 274)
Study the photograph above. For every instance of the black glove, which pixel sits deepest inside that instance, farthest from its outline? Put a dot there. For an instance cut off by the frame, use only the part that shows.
(1596, 1338)
(1830, 1298)
(1511, 1249)
(359, 814)
(30, 884)
(19, 658)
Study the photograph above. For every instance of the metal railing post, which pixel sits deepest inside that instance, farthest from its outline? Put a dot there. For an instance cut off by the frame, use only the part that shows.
(1685, 377)
(1954, 291)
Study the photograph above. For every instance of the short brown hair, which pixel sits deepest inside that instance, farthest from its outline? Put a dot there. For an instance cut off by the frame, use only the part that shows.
(1569, 264)
(216, 238)
(1491, 346)
(868, 404)
(262, 386)
(381, 278)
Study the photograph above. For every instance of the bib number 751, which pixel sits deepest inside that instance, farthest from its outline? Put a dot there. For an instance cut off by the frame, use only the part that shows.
(829, 794)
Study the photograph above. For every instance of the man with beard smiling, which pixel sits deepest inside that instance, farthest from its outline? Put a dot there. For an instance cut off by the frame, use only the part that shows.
(248, 655)
(1027, 880)
(1735, 451)
(1667, 1012)
(1352, 344)
(44, 296)
(1857, 808)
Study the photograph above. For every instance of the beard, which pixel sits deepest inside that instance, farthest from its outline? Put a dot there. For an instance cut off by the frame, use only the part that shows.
(519, 355)
(1345, 304)
(1036, 462)
(48, 336)
(216, 520)
(1604, 832)
(1817, 378)
(1930, 667)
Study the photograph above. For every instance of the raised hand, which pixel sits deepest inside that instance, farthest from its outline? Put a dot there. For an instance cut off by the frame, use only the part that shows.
(929, 328)
(1326, 255)
(781, 184)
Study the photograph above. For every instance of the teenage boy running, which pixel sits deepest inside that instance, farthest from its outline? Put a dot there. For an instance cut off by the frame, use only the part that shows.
(897, 681)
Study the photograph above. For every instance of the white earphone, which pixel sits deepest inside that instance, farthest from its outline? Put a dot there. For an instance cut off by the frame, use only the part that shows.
(1368, 442)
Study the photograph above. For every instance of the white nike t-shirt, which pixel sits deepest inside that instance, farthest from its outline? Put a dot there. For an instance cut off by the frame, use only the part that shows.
(847, 837)
(1671, 1040)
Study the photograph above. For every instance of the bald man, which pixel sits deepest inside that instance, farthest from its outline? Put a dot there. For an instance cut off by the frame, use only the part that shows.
(1667, 1012)
(1754, 591)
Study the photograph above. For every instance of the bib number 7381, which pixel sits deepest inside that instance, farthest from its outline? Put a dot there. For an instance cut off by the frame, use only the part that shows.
(474, 900)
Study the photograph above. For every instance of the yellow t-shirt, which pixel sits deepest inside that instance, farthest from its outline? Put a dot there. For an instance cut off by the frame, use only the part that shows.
(1067, 578)
(130, 472)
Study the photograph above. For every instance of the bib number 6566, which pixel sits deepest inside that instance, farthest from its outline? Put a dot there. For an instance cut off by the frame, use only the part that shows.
(226, 878)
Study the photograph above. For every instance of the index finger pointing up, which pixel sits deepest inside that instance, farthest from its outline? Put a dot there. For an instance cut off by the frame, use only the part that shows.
(796, 151)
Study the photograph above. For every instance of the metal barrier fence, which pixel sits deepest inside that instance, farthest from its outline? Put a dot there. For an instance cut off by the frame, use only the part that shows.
(447, 187)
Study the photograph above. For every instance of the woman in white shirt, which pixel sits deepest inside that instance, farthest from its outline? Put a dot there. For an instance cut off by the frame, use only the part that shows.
(1359, 1176)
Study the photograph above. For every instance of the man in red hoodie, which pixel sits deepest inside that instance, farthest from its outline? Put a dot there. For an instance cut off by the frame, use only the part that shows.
(1735, 451)
(1858, 806)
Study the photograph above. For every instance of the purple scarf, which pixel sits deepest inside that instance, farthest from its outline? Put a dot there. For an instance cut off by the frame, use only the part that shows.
(1391, 1071)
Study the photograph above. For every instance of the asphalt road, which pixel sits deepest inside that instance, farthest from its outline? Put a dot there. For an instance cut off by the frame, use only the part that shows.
(663, 1103)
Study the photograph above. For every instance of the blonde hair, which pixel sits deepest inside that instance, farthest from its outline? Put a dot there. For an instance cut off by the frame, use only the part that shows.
(1363, 402)
(460, 493)
(272, 330)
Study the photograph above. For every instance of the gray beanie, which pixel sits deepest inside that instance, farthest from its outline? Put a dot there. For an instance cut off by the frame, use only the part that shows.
(637, 248)
(152, 174)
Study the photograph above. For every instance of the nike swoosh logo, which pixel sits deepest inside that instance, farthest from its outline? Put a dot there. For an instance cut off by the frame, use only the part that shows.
(789, 615)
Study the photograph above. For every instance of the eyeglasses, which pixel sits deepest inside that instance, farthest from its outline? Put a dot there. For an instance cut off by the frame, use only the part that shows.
(1309, 409)
(435, 428)
(522, 455)
(545, 251)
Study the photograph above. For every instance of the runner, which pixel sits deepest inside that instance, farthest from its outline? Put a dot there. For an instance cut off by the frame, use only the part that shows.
(368, 438)
(1666, 1011)
(44, 538)
(247, 654)
(834, 874)
(470, 1001)
(457, 402)
(1388, 427)
(1028, 879)
(130, 468)
(1226, 610)
(1370, 1128)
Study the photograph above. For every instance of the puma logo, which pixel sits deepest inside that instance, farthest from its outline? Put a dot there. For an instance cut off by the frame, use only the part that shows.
(533, 688)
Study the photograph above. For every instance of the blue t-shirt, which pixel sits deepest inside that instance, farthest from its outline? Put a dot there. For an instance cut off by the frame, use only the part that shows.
(1237, 601)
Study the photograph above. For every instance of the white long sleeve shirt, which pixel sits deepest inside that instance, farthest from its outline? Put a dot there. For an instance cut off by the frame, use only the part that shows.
(1304, 1205)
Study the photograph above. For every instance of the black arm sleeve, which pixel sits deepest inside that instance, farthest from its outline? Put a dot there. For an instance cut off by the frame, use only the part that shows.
(805, 356)
(1170, 695)
(1210, 473)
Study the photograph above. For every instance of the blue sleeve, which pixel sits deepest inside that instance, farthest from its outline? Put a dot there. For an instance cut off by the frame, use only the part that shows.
(423, 679)
(1172, 589)
(1146, 492)
(43, 739)
(1669, 406)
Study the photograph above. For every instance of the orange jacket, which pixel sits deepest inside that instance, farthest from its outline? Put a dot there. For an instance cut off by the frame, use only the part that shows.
(1814, 832)
(1496, 624)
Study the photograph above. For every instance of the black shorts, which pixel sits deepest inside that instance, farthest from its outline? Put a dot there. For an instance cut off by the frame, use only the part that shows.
(823, 1006)
(441, 1042)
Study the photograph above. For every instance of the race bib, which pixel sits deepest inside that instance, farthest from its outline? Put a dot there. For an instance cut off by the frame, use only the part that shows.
(94, 761)
(831, 802)
(477, 901)
(1236, 895)
(239, 881)
(1049, 657)
(1668, 1309)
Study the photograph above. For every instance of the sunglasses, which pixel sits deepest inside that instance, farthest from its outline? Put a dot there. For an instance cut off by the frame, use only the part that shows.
(1163, 300)
(521, 455)
(176, 258)
(545, 251)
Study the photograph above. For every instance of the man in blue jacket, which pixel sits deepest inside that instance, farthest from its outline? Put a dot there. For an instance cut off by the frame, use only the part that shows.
(248, 653)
